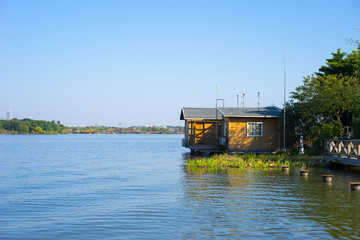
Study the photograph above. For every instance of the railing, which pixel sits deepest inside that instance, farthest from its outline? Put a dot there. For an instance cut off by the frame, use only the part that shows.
(342, 148)
(205, 139)
(199, 139)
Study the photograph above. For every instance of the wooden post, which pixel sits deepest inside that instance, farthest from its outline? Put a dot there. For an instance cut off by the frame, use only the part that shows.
(327, 178)
(355, 185)
(304, 172)
(285, 168)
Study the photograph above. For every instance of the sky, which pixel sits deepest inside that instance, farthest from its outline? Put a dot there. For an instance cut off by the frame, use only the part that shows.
(138, 62)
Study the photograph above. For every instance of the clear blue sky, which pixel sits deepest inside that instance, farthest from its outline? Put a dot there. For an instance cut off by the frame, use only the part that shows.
(138, 62)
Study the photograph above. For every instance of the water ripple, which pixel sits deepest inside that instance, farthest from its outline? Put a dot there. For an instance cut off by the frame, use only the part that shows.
(104, 187)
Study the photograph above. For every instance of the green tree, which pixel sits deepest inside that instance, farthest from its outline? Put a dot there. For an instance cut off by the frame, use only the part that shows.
(23, 128)
(330, 99)
(356, 127)
(342, 64)
(38, 129)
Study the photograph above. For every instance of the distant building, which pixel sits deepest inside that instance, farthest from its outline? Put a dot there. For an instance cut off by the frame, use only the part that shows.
(9, 115)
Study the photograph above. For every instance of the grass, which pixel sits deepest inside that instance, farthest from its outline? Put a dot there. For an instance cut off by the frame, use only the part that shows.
(254, 161)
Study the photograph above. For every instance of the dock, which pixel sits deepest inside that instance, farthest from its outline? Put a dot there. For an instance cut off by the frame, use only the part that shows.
(345, 152)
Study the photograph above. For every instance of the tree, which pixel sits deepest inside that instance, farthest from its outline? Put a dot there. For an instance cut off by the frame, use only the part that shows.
(356, 127)
(353, 41)
(330, 99)
(342, 64)
(38, 129)
(23, 128)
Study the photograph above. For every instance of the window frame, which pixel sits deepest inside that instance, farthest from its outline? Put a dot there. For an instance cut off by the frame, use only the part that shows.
(254, 124)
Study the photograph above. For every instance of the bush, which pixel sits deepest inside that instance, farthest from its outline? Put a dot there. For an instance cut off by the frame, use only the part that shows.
(326, 131)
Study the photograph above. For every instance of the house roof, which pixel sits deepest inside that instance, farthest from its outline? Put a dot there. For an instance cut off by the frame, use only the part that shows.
(265, 112)
(199, 113)
(210, 113)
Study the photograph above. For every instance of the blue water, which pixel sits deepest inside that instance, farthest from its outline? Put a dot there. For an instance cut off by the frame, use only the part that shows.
(139, 187)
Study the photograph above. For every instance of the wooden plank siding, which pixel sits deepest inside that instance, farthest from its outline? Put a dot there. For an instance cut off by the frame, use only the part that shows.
(239, 141)
(205, 133)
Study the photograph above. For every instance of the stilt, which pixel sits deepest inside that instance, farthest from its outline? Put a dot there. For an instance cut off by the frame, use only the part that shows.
(285, 168)
(304, 172)
(355, 185)
(327, 178)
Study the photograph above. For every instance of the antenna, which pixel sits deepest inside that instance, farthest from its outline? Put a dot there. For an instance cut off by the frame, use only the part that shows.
(258, 94)
(284, 81)
(243, 101)
(237, 100)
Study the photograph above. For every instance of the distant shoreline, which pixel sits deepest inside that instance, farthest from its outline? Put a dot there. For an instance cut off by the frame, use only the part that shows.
(38, 127)
(90, 133)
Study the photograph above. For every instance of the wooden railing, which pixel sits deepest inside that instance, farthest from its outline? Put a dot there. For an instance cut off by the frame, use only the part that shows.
(342, 148)
(204, 139)
(208, 139)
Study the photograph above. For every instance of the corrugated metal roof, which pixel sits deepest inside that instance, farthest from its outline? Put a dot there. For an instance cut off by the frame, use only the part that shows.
(210, 113)
(251, 112)
(199, 113)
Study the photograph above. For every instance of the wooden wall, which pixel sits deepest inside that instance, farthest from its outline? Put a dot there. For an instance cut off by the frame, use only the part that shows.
(238, 139)
(202, 132)
(205, 133)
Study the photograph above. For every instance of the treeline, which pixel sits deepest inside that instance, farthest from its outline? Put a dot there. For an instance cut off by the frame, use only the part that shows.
(30, 126)
(327, 104)
(128, 130)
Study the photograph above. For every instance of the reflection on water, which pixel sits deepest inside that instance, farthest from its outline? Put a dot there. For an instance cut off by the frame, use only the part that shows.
(272, 204)
(139, 187)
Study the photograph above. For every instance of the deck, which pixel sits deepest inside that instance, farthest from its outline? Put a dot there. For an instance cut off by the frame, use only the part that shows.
(342, 151)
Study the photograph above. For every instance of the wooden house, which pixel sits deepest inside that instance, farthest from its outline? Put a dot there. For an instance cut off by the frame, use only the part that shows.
(233, 130)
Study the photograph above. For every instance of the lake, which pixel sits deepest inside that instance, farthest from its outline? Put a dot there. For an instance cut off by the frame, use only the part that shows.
(139, 187)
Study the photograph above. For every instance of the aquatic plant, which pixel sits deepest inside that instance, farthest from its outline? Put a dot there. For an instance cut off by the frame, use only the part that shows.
(249, 161)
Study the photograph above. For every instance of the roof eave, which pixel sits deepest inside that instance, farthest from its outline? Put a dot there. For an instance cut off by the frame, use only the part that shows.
(247, 116)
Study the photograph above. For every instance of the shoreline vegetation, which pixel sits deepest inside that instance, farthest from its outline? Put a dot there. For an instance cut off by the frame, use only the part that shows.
(254, 161)
(30, 126)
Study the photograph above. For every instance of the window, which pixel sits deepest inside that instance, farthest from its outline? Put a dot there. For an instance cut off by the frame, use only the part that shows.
(254, 129)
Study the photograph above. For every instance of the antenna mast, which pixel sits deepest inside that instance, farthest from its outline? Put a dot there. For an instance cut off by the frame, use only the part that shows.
(243, 101)
(284, 83)
(237, 100)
